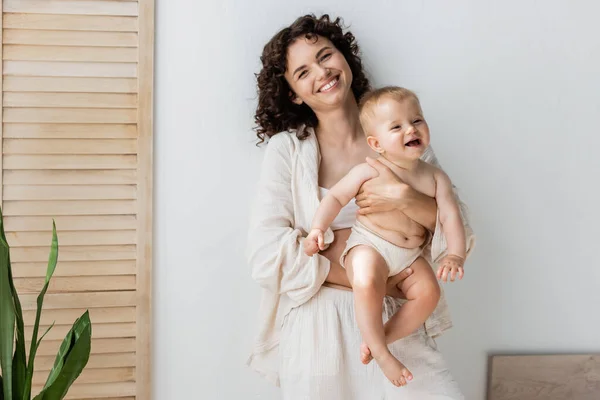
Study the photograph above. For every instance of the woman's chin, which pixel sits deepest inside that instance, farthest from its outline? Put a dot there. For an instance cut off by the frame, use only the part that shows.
(334, 100)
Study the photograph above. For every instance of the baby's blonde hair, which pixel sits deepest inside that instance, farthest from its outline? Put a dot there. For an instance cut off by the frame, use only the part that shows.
(371, 99)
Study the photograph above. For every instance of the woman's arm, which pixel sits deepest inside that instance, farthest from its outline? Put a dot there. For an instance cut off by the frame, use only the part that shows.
(274, 248)
(418, 206)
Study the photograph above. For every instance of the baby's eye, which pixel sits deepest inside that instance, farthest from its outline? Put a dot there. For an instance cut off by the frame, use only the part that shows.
(396, 127)
(417, 121)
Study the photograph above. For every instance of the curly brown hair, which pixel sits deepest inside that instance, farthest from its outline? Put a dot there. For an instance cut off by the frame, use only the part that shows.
(275, 111)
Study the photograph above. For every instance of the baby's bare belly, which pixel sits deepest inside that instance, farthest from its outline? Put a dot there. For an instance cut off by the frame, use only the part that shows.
(396, 228)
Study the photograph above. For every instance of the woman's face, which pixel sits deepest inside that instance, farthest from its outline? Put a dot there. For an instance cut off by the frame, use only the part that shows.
(318, 74)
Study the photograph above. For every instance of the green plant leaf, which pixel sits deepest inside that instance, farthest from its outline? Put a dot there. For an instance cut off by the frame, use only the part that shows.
(52, 260)
(19, 366)
(7, 317)
(1, 389)
(72, 357)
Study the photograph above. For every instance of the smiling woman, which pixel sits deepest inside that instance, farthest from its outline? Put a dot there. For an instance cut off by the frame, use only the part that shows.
(326, 47)
(317, 82)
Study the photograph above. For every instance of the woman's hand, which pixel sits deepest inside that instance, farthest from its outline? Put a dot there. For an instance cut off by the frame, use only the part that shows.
(387, 192)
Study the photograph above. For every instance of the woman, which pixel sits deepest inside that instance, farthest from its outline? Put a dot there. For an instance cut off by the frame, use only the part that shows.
(309, 343)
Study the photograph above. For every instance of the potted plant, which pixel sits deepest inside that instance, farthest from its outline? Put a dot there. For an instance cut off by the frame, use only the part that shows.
(17, 372)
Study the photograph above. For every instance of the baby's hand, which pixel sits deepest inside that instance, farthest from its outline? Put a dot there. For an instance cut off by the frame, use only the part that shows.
(314, 242)
(452, 265)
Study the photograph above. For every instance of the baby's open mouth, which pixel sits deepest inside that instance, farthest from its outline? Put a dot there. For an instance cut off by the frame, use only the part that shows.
(413, 143)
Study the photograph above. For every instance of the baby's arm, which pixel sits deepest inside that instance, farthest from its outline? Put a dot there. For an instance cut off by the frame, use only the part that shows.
(333, 202)
(452, 226)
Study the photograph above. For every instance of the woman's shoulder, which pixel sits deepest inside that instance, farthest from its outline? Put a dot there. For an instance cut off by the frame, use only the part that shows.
(281, 139)
(287, 140)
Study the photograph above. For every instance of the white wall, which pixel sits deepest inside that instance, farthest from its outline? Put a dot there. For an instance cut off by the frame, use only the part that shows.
(512, 93)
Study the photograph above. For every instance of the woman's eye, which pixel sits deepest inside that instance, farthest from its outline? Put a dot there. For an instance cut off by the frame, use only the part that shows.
(302, 74)
(325, 57)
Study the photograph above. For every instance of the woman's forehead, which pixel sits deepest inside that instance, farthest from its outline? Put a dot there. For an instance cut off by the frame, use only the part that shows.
(306, 47)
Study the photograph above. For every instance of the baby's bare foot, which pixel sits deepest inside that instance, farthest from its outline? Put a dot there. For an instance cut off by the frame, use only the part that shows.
(394, 370)
(365, 353)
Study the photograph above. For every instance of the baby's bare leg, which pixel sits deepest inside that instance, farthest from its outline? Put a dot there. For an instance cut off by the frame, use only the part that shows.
(423, 293)
(368, 273)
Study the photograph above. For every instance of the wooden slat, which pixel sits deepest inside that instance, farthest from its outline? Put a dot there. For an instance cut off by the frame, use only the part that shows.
(75, 115)
(70, 69)
(113, 398)
(76, 284)
(45, 363)
(57, 84)
(69, 315)
(106, 398)
(71, 238)
(58, 332)
(72, 7)
(74, 268)
(75, 192)
(70, 223)
(70, 100)
(70, 38)
(82, 300)
(69, 131)
(69, 207)
(58, 177)
(93, 391)
(69, 53)
(70, 22)
(29, 162)
(545, 377)
(145, 205)
(74, 253)
(70, 146)
(89, 375)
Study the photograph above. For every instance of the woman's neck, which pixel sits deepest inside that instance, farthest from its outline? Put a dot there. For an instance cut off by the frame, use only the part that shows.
(339, 127)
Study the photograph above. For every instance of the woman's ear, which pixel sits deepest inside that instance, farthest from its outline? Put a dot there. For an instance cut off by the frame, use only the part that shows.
(374, 144)
(295, 99)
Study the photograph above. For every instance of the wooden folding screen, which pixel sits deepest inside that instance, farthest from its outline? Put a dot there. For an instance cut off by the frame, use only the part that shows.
(76, 135)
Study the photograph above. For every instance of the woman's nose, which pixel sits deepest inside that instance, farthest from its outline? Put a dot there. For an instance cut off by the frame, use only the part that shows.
(324, 73)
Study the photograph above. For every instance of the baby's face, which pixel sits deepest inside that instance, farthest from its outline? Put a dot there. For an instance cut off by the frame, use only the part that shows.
(399, 128)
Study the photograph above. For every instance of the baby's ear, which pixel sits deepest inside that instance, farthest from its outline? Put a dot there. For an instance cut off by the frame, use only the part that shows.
(374, 144)
(295, 99)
